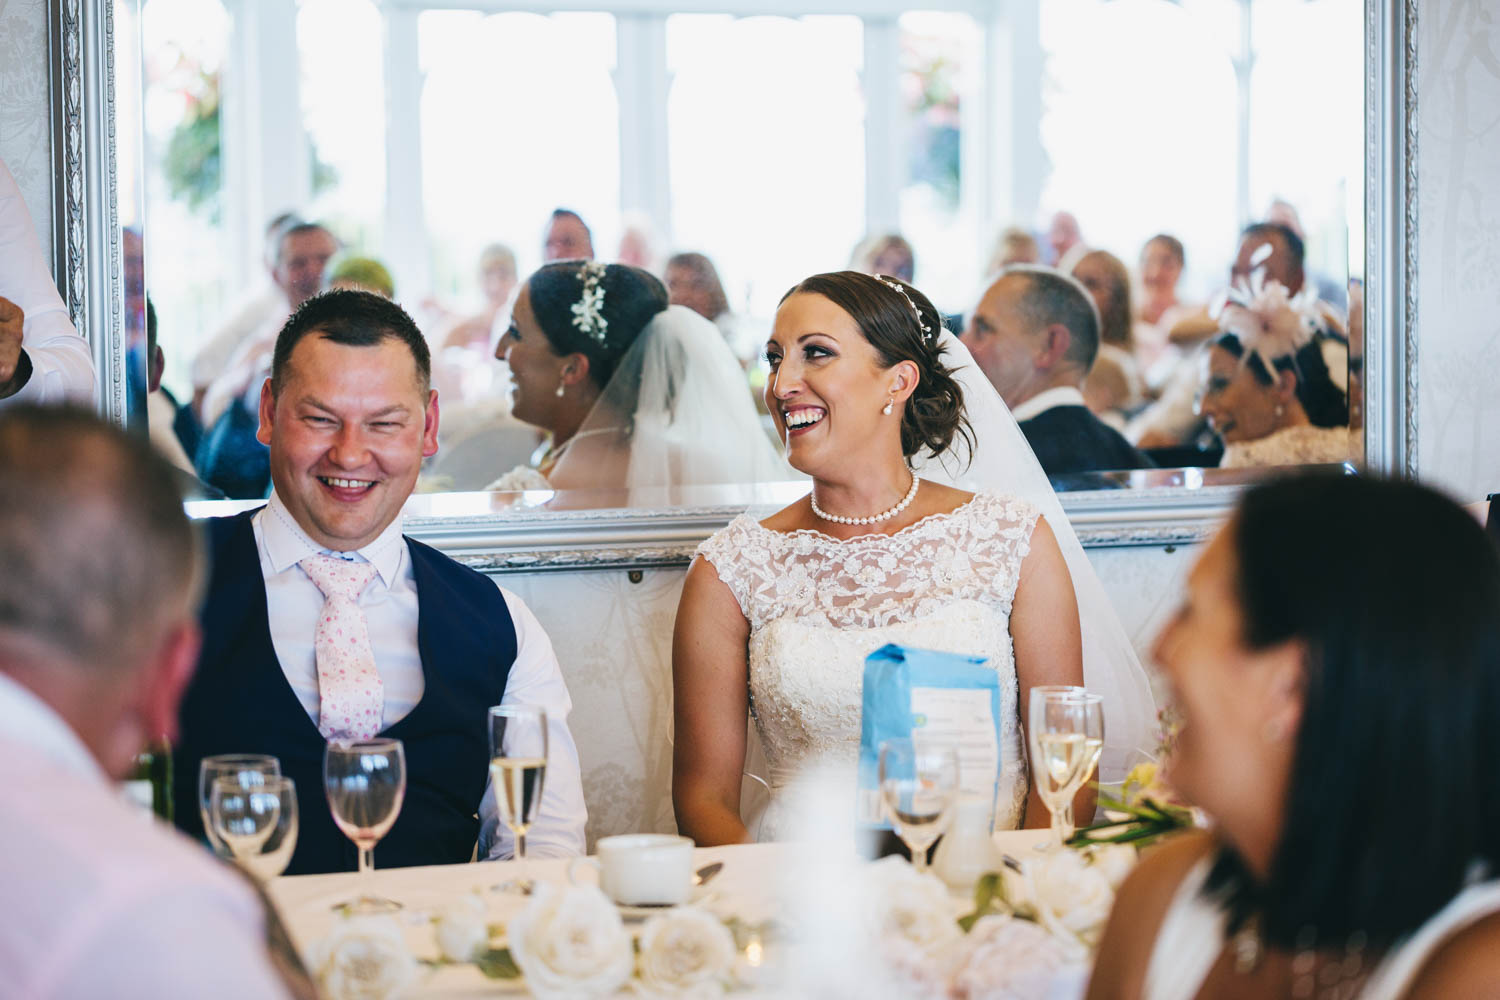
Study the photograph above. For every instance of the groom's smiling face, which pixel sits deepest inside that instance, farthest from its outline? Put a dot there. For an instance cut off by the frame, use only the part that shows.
(827, 388)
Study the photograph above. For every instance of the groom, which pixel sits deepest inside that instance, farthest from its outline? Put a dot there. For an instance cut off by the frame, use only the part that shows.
(322, 621)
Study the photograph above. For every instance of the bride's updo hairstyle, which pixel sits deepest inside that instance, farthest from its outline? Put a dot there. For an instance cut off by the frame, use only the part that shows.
(597, 310)
(1391, 592)
(902, 325)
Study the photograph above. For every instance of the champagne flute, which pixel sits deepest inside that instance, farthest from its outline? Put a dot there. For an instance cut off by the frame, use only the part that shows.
(1067, 738)
(365, 781)
(518, 771)
(919, 783)
(258, 824)
(247, 769)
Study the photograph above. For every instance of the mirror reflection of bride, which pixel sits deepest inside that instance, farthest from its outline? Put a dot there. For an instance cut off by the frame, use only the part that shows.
(632, 392)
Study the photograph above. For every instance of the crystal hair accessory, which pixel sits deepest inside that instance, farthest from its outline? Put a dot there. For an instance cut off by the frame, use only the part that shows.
(588, 311)
(897, 287)
(1268, 322)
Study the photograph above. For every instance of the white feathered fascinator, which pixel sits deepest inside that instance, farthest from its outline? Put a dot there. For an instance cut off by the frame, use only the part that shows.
(1267, 321)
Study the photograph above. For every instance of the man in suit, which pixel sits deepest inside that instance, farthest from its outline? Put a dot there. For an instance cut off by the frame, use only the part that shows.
(1035, 334)
(97, 640)
(322, 621)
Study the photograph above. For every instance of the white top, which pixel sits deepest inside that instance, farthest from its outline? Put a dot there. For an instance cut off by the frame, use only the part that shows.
(817, 606)
(62, 367)
(1192, 937)
(99, 900)
(1063, 395)
(1300, 445)
(293, 603)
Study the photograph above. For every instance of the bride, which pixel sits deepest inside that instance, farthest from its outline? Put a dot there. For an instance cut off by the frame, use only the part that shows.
(631, 391)
(777, 616)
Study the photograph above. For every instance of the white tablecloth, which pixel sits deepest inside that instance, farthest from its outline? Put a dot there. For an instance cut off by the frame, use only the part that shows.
(750, 886)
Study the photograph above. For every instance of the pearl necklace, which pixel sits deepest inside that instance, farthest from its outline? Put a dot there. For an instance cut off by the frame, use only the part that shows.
(873, 518)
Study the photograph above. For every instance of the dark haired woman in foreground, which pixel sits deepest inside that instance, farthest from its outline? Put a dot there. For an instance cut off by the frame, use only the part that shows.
(1336, 664)
(783, 612)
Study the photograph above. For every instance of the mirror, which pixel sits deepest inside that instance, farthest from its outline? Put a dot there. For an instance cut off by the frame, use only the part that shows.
(408, 128)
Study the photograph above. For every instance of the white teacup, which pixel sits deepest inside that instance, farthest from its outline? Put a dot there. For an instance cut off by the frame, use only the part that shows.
(642, 869)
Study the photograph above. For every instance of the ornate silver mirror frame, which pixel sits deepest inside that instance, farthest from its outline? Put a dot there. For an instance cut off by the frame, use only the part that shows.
(89, 267)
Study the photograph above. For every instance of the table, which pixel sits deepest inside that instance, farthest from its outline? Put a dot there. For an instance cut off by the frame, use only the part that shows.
(750, 886)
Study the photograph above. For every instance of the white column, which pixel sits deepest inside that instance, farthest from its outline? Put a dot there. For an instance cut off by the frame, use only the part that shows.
(405, 247)
(266, 163)
(1005, 155)
(642, 85)
(885, 166)
(1244, 64)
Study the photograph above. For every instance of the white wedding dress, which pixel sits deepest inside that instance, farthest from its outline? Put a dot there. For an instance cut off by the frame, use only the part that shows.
(817, 606)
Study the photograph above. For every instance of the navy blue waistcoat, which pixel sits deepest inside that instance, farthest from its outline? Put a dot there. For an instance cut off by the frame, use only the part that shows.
(239, 701)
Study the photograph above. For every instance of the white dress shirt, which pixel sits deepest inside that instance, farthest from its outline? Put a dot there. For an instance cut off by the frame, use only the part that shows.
(294, 602)
(1047, 399)
(62, 367)
(100, 901)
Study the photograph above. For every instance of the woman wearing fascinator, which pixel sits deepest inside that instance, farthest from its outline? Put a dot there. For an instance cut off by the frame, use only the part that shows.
(632, 392)
(1276, 389)
(929, 523)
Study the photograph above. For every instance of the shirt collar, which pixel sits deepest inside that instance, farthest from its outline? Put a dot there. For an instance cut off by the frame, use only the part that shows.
(1063, 395)
(287, 544)
(27, 719)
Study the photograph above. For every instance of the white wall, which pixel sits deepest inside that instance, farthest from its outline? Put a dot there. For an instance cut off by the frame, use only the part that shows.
(25, 115)
(1458, 246)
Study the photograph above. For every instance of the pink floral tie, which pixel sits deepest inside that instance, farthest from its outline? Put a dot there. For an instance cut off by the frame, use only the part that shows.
(350, 690)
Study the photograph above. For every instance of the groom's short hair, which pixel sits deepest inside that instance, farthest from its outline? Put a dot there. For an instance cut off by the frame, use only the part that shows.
(1050, 296)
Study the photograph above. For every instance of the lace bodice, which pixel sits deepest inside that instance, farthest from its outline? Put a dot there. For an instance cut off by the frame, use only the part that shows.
(1300, 445)
(817, 606)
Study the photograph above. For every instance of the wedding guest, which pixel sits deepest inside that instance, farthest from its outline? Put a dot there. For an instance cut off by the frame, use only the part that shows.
(1114, 386)
(97, 640)
(348, 415)
(568, 237)
(1065, 245)
(637, 245)
(1035, 334)
(360, 273)
(632, 391)
(1337, 701)
(1162, 261)
(1271, 392)
(1014, 245)
(42, 357)
(497, 279)
(780, 613)
(693, 281)
(887, 253)
(262, 306)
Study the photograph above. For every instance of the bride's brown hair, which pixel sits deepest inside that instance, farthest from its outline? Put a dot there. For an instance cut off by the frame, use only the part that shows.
(893, 321)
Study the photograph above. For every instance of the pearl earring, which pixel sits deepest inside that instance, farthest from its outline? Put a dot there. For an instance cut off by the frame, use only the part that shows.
(560, 390)
(1280, 411)
(886, 409)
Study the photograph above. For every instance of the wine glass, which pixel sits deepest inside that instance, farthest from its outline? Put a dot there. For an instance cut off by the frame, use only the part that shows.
(1067, 738)
(918, 782)
(248, 769)
(258, 823)
(518, 771)
(365, 781)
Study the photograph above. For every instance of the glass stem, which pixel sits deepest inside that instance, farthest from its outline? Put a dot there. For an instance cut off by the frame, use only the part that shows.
(366, 859)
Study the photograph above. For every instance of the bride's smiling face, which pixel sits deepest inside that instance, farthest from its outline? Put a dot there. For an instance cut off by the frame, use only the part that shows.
(536, 370)
(826, 388)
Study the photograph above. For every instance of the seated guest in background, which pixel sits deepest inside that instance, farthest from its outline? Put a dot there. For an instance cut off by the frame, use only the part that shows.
(1272, 392)
(42, 357)
(568, 237)
(165, 420)
(693, 281)
(348, 415)
(1162, 262)
(365, 274)
(1338, 701)
(637, 245)
(497, 279)
(1065, 245)
(262, 308)
(97, 640)
(1013, 246)
(1114, 387)
(1034, 334)
(634, 392)
(887, 253)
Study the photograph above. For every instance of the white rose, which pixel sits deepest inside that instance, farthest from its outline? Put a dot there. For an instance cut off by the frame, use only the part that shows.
(1072, 897)
(364, 958)
(912, 908)
(686, 952)
(1009, 959)
(571, 943)
(1116, 861)
(462, 932)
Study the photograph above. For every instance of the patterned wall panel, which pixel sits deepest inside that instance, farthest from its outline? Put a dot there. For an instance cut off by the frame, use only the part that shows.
(25, 114)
